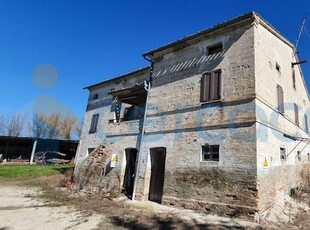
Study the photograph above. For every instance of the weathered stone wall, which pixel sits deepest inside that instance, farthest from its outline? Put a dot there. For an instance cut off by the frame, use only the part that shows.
(103, 106)
(279, 176)
(178, 121)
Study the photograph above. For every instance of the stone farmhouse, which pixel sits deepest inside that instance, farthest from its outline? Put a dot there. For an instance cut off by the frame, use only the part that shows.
(218, 121)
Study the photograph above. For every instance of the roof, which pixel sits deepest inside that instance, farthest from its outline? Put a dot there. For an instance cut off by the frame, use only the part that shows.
(251, 16)
(120, 76)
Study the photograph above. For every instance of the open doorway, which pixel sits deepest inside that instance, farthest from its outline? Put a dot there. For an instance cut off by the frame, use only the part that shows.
(129, 178)
(158, 160)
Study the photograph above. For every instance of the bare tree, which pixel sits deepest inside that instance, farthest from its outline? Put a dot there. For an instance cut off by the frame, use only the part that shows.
(68, 126)
(39, 127)
(53, 126)
(15, 125)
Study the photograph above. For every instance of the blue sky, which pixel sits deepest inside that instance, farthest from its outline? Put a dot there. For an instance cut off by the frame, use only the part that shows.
(89, 41)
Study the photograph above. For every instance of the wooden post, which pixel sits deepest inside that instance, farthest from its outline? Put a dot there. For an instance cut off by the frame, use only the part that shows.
(33, 151)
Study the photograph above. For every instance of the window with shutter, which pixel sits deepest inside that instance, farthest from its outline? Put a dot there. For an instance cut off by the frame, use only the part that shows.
(210, 86)
(296, 114)
(94, 123)
(280, 99)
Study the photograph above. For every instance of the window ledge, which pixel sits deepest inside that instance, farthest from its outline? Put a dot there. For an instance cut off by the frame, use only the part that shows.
(209, 102)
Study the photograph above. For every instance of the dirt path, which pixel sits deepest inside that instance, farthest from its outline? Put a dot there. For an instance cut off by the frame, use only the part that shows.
(20, 209)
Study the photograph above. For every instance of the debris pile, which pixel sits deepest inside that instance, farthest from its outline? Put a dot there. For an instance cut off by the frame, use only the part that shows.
(96, 174)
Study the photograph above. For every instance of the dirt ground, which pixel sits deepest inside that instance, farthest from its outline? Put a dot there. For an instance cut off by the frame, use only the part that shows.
(24, 207)
(20, 208)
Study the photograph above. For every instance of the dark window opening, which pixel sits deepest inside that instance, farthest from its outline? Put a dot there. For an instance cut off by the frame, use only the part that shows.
(90, 150)
(296, 114)
(210, 152)
(308, 154)
(96, 95)
(133, 100)
(282, 154)
(210, 86)
(280, 99)
(94, 123)
(218, 48)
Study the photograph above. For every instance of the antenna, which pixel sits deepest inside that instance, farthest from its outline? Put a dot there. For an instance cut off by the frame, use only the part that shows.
(300, 32)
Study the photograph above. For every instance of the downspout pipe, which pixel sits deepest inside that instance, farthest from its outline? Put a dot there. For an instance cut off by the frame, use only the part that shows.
(139, 146)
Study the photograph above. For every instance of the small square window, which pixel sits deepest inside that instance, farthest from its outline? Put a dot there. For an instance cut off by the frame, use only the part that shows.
(218, 48)
(210, 152)
(90, 150)
(282, 154)
(95, 96)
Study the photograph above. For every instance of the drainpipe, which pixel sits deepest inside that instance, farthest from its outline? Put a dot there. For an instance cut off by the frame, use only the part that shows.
(139, 147)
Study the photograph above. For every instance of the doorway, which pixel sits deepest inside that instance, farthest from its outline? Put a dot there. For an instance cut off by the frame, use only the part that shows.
(158, 160)
(129, 177)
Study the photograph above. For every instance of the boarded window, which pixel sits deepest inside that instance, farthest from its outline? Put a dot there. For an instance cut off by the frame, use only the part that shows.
(210, 86)
(210, 152)
(218, 48)
(306, 123)
(94, 123)
(280, 99)
(282, 154)
(296, 114)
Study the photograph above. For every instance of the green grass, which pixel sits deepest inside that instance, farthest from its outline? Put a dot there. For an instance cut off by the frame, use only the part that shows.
(28, 171)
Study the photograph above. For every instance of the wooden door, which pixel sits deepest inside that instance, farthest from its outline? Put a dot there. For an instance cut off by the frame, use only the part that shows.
(158, 160)
(130, 171)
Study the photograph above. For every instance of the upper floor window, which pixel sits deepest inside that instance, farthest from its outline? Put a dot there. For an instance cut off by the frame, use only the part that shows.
(210, 86)
(218, 48)
(95, 96)
(296, 114)
(94, 123)
(210, 152)
(280, 99)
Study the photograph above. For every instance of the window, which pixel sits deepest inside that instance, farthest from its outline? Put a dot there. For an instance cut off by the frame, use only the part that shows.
(215, 49)
(95, 96)
(280, 99)
(298, 155)
(308, 155)
(90, 150)
(94, 123)
(210, 86)
(296, 114)
(210, 152)
(293, 78)
(282, 154)
(306, 123)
